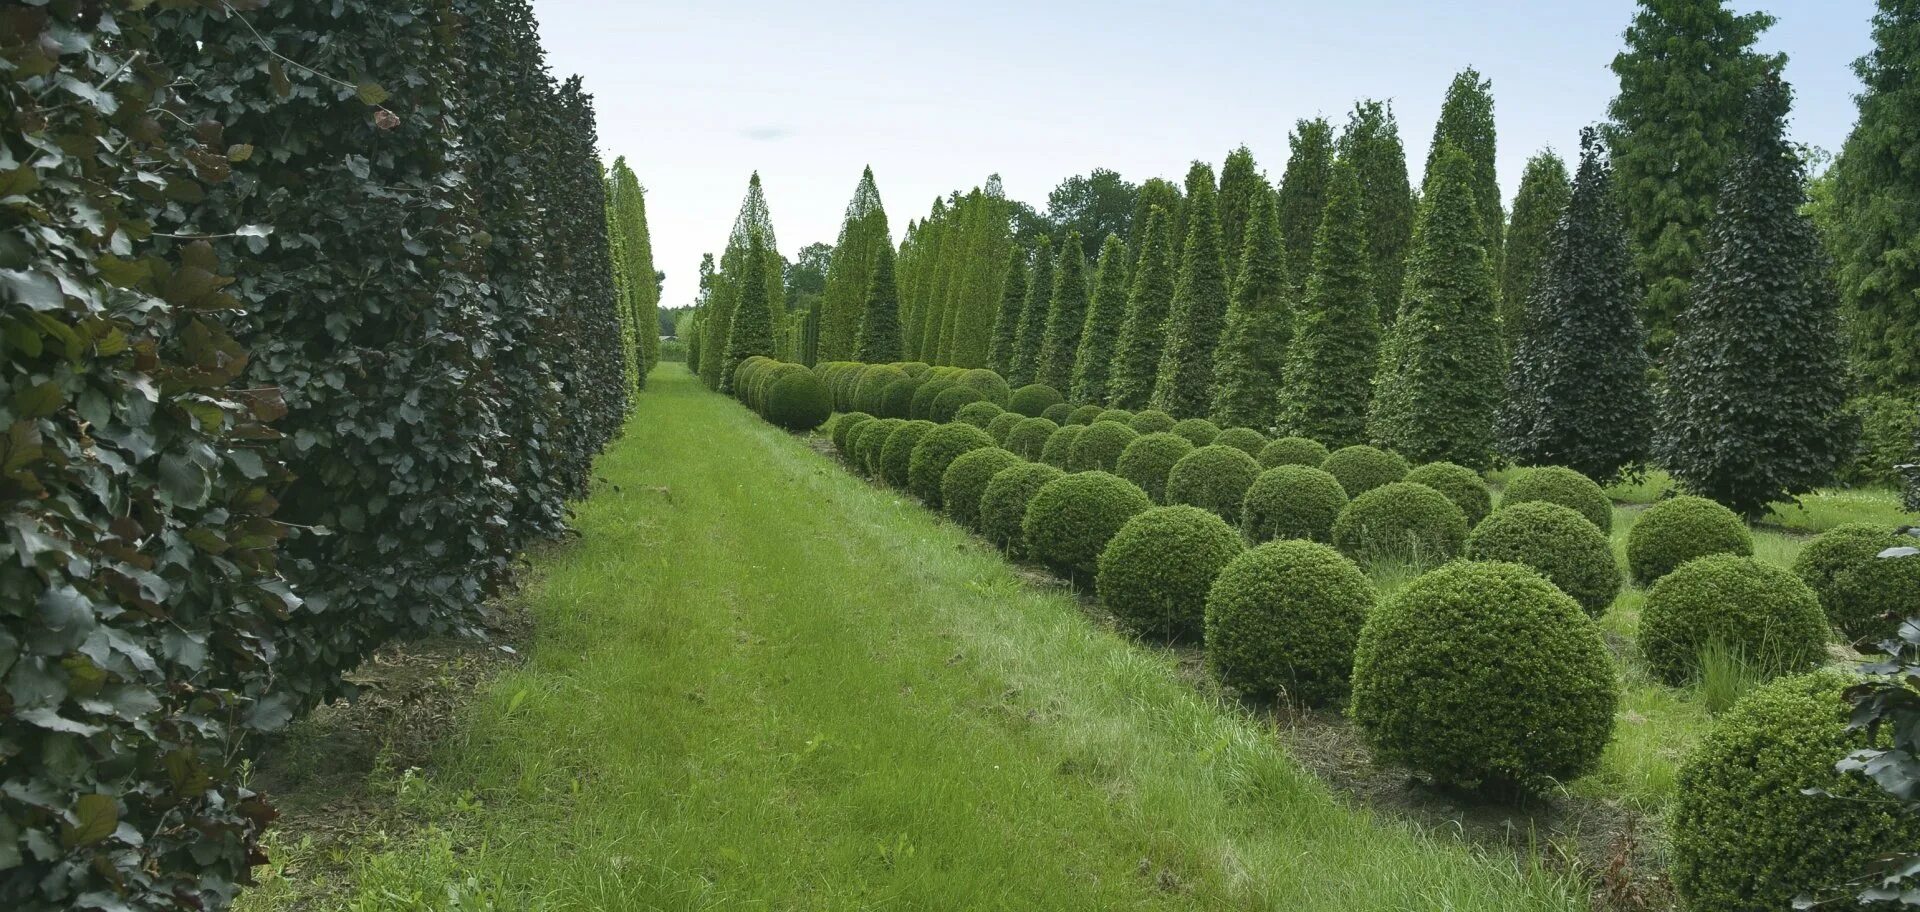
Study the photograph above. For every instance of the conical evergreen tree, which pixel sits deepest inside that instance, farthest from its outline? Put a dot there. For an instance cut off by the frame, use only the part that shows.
(1033, 316)
(1330, 360)
(1876, 194)
(879, 340)
(716, 327)
(1684, 78)
(1303, 189)
(1577, 390)
(1543, 196)
(1466, 123)
(1253, 349)
(1242, 186)
(1006, 325)
(1441, 367)
(1752, 409)
(1184, 386)
(850, 272)
(1066, 315)
(1371, 143)
(1199, 174)
(919, 305)
(1155, 192)
(751, 330)
(1105, 320)
(1136, 360)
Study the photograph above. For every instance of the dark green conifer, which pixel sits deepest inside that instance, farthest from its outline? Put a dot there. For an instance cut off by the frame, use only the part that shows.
(1184, 386)
(1331, 358)
(751, 330)
(1543, 196)
(1241, 188)
(1136, 359)
(1033, 316)
(1371, 143)
(1066, 315)
(1253, 349)
(1466, 123)
(1105, 318)
(1303, 189)
(1006, 324)
(879, 340)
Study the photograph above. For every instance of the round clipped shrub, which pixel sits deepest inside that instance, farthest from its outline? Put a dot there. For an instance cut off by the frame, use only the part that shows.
(798, 401)
(914, 368)
(1057, 412)
(1401, 521)
(1030, 436)
(868, 439)
(1746, 833)
(1246, 440)
(1863, 594)
(1483, 675)
(966, 480)
(992, 386)
(1556, 541)
(1084, 415)
(1748, 611)
(1070, 520)
(1060, 445)
(1282, 621)
(1362, 468)
(1566, 487)
(897, 401)
(1213, 478)
(1099, 447)
(1155, 573)
(931, 386)
(1147, 460)
(1032, 399)
(1462, 485)
(1003, 503)
(870, 388)
(979, 414)
(1003, 424)
(896, 455)
(1292, 501)
(1293, 451)
(1151, 421)
(1198, 431)
(843, 430)
(927, 466)
(1679, 529)
(1121, 415)
(951, 400)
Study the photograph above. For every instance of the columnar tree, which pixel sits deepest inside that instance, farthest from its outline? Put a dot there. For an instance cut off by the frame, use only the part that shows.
(879, 340)
(1304, 187)
(1577, 388)
(638, 282)
(1543, 196)
(1441, 367)
(1684, 77)
(1876, 192)
(1371, 143)
(1241, 188)
(716, 326)
(751, 330)
(1199, 174)
(1752, 409)
(1184, 386)
(1253, 349)
(1156, 191)
(1066, 315)
(850, 271)
(1025, 365)
(1466, 123)
(1106, 317)
(1006, 324)
(1331, 358)
(917, 280)
(1136, 360)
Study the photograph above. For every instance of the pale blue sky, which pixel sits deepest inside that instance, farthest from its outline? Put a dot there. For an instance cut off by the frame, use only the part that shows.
(936, 96)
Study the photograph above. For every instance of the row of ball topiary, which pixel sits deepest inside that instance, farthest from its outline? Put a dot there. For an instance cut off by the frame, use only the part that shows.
(786, 394)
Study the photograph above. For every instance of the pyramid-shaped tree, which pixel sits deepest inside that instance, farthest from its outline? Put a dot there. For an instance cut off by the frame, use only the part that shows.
(1371, 144)
(1066, 315)
(751, 331)
(1136, 358)
(1466, 124)
(1032, 327)
(879, 340)
(1253, 348)
(716, 325)
(1241, 188)
(1536, 210)
(1303, 188)
(1106, 318)
(1006, 323)
(1331, 358)
(1156, 191)
(850, 272)
(1185, 384)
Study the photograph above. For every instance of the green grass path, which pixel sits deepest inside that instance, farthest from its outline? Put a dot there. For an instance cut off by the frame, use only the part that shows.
(760, 683)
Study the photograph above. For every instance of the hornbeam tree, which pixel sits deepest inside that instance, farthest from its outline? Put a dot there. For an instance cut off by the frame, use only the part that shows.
(1371, 143)
(1136, 359)
(850, 272)
(1066, 315)
(1536, 210)
(1466, 123)
(1241, 188)
(1025, 365)
(1253, 349)
(751, 330)
(1331, 358)
(638, 283)
(879, 340)
(1303, 189)
(1107, 315)
(1157, 191)
(1184, 386)
(716, 325)
(1006, 324)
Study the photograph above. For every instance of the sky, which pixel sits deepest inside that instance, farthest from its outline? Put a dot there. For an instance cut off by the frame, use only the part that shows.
(937, 96)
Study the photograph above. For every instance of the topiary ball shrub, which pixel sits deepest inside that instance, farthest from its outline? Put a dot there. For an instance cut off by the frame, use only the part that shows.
(1462, 485)
(1121, 415)
(870, 386)
(1282, 621)
(990, 385)
(897, 401)
(930, 389)
(966, 480)
(1155, 573)
(1213, 478)
(896, 455)
(1556, 541)
(979, 414)
(1003, 424)
(1003, 504)
(843, 431)
(1098, 448)
(1084, 415)
(1246, 440)
(1679, 529)
(1070, 520)
(1060, 445)
(1362, 468)
(951, 400)
(927, 467)
(1293, 451)
(798, 401)
(1032, 399)
(1566, 487)
(914, 368)
(1746, 833)
(1292, 501)
(867, 441)
(1198, 431)
(1863, 594)
(1057, 413)
(1401, 522)
(1751, 612)
(1030, 436)
(1147, 461)
(1151, 421)
(1484, 676)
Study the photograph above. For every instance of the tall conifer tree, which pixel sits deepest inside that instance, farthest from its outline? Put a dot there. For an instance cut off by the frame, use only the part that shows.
(1066, 315)
(1033, 316)
(1543, 196)
(1466, 123)
(1093, 363)
(1159, 192)
(1006, 325)
(850, 272)
(751, 330)
(1136, 360)
(1253, 349)
(1242, 186)
(1184, 387)
(716, 327)
(1331, 358)
(1303, 189)
(1371, 143)
(879, 340)
(1751, 413)
(638, 283)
